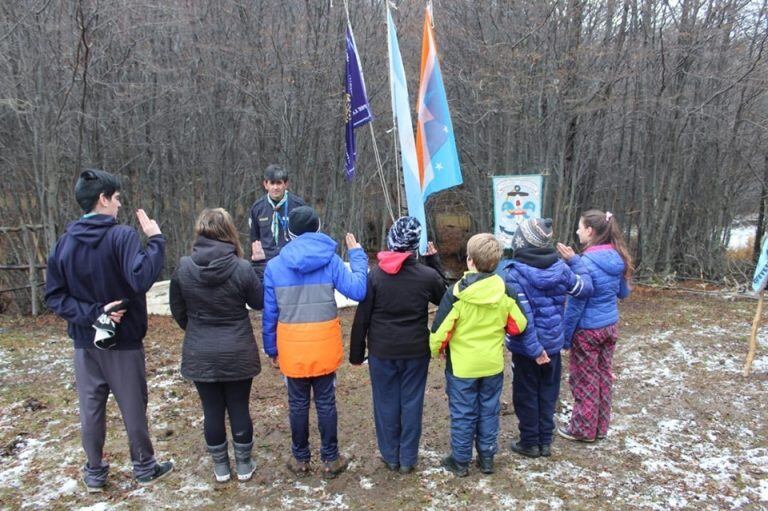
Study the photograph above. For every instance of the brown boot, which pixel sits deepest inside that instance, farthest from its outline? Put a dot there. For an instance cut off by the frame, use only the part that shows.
(333, 468)
(299, 468)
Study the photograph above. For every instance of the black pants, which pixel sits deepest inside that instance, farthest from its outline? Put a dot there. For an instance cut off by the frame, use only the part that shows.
(232, 396)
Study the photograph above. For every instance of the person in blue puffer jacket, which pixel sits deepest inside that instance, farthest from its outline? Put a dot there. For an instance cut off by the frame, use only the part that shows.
(541, 281)
(591, 324)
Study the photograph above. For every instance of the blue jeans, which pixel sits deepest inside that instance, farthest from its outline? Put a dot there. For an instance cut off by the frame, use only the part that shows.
(474, 404)
(398, 401)
(324, 390)
(534, 393)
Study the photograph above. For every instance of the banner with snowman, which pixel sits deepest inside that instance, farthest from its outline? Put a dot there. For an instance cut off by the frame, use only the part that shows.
(515, 198)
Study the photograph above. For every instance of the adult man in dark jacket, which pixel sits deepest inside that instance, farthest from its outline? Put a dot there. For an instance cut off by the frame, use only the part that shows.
(268, 219)
(95, 265)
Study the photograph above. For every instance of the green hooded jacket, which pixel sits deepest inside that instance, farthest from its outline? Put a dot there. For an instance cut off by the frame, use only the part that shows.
(472, 319)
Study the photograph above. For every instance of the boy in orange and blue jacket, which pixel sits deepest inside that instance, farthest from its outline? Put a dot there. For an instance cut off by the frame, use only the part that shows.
(302, 331)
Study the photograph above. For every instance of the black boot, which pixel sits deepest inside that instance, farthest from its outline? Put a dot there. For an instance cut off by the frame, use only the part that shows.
(459, 469)
(530, 452)
(485, 464)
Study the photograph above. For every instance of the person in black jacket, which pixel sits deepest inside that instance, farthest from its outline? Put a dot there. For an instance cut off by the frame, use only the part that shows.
(208, 297)
(394, 316)
(268, 218)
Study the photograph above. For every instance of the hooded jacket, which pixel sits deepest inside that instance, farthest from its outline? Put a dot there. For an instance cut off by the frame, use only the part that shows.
(601, 309)
(300, 324)
(208, 295)
(98, 261)
(394, 315)
(540, 278)
(470, 325)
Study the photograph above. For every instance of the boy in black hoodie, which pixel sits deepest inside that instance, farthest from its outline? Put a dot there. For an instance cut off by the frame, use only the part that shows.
(394, 316)
(94, 266)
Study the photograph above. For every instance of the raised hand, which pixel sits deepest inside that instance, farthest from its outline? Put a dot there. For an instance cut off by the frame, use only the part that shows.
(431, 249)
(565, 251)
(257, 251)
(148, 225)
(351, 241)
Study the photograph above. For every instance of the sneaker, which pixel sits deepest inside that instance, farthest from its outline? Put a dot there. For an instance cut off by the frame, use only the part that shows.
(406, 469)
(530, 452)
(161, 470)
(485, 464)
(459, 469)
(545, 450)
(600, 437)
(333, 468)
(299, 468)
(563, 432)
(94, 488)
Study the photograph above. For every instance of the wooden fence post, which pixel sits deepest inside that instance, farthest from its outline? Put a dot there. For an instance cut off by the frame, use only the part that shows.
(753, 337)
(29, 241)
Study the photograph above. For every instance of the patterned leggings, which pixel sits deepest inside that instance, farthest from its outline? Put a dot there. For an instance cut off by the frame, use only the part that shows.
(591, 381)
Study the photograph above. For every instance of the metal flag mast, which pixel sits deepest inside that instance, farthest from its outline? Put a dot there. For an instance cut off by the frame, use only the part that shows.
(377, 156)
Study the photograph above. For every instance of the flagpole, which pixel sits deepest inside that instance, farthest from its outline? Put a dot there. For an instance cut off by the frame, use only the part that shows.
(379, 166)
(394, 128)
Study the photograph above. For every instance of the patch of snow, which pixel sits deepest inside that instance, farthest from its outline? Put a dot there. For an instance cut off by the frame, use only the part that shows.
(100, 506)
(51, 491)
(195, 487)
(763, 490)
(741, 237)
(366, 483)
(5, 363)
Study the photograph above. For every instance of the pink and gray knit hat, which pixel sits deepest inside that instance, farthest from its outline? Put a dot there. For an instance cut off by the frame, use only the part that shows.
(534, 232)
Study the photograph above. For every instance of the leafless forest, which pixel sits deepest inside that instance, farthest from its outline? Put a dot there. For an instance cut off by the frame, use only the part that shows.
(655, 110)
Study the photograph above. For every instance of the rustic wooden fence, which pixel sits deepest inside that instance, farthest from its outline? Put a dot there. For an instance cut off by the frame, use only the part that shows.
(22, 254)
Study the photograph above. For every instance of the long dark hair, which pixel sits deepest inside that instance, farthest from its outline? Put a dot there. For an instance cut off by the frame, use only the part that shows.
(606, 231)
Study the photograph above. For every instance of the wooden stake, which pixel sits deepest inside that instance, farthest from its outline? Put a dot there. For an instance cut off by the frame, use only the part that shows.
(753, 337)
(29, 241)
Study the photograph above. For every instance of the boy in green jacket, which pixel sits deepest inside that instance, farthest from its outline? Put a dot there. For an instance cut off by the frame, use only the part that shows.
(469, 330)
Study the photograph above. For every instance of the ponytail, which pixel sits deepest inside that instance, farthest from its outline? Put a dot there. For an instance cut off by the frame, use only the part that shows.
(607, 232)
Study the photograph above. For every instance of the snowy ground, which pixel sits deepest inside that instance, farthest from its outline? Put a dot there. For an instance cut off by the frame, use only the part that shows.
(689, 431)
(741, 237)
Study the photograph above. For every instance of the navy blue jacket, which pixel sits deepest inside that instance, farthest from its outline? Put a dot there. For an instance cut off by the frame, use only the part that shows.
(601, 309)
(97, 261)
(260, 223)
(541, 281)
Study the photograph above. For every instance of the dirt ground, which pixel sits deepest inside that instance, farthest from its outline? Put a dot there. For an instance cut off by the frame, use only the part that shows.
(689, 431)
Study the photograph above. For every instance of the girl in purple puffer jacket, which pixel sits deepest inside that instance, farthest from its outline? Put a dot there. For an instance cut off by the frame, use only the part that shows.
(591, 324)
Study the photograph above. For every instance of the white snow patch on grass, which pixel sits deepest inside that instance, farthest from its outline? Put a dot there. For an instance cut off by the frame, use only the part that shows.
(763, 490)
(100, 506)
(52, 491)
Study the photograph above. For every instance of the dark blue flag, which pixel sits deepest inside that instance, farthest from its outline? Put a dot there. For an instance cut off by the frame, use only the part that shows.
(358, 111)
